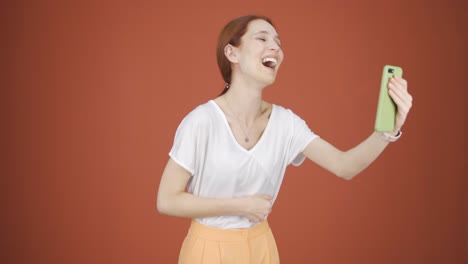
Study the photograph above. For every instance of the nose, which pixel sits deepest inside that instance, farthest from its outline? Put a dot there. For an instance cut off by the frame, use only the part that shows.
(274, 46)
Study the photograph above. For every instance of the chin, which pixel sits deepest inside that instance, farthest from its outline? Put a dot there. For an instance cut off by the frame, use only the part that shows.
(269, 81)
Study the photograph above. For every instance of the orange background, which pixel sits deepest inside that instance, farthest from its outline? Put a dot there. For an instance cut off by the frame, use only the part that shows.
(95, 91)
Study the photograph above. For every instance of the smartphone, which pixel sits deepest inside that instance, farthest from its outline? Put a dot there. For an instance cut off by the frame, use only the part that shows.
(386, 108)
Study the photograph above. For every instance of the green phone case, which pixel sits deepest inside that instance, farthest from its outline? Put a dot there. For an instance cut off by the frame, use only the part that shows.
(386, 108)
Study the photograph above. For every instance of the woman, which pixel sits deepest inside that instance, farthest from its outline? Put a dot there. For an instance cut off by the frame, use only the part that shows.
(231, 153)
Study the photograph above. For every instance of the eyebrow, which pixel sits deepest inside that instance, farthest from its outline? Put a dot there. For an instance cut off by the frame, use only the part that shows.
(266, 32)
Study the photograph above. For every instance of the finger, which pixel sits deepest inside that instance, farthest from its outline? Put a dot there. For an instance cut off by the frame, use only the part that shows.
(397, 80)
(254, 218)
(403, 104)
(400, 91)
(260, 218)
(266, 196)
(401, 99)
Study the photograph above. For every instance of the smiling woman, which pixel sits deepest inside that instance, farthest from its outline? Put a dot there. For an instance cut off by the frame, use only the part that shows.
(231, 35)
(231, 153)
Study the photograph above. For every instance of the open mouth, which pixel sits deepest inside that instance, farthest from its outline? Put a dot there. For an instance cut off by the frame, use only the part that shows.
(269, 62)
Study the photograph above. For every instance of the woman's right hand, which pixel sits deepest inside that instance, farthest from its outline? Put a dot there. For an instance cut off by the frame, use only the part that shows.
(256, 207)
(174, 200)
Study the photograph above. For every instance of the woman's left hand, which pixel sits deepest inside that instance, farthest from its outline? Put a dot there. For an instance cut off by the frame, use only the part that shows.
(398, 91)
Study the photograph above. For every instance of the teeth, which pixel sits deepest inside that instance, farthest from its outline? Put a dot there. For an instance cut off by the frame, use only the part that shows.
(269, 62)
(272, 61)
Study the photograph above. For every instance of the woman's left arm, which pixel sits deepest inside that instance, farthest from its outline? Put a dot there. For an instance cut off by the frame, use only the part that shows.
(347, 164)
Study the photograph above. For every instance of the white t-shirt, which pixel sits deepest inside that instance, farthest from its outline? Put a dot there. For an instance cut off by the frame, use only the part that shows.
(221, 168)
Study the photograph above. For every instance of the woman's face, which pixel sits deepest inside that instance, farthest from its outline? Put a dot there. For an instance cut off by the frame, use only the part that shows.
(259, 54)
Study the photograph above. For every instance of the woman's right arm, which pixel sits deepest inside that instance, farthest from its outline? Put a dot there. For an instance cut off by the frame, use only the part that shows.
(175, 201)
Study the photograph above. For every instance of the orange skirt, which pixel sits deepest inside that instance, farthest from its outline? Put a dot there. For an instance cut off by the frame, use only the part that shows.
(209, 245)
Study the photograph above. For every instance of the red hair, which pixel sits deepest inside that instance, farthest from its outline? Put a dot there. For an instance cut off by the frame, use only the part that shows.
(232, 34)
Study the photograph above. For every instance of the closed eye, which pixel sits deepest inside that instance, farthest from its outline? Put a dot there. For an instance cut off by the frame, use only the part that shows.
(263, 33)
(264, 39)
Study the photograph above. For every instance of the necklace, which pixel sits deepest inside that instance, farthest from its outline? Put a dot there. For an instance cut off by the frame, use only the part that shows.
(246, 134)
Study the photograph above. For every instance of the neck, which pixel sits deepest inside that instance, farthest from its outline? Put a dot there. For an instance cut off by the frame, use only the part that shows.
(245, 101)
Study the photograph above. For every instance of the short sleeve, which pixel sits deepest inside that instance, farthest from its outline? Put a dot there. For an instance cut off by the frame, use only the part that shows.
(187, 140)
(301, 137)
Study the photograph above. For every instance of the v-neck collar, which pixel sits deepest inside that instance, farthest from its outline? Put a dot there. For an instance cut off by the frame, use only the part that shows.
(233, 138)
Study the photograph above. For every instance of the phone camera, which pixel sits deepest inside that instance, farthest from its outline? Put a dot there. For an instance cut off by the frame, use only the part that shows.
(390, 70)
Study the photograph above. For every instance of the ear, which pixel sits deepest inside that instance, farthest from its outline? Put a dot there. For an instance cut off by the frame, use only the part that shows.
(231, 53)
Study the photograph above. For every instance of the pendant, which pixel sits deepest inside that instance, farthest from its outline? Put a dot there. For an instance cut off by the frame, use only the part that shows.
(246, 140)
